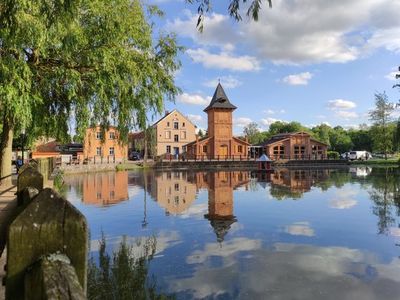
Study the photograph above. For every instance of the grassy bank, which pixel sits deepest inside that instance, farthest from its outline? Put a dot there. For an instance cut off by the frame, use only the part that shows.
(131, 166)
(377, 162)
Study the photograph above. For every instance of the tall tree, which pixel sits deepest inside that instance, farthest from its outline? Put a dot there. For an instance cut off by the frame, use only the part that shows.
(396, 139)
(89, 58)
(381, 117)
(251, 131)
(340, 140)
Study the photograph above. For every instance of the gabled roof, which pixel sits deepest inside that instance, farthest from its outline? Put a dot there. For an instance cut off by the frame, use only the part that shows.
(220, 100)
(171, 112)
(199, 140)
(284, 136)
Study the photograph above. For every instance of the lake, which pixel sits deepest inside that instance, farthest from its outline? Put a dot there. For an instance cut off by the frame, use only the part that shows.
(290, 234)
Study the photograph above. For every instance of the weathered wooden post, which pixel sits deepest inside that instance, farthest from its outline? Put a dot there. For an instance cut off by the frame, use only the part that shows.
(53, 277)
(29, 177)
(48, 225)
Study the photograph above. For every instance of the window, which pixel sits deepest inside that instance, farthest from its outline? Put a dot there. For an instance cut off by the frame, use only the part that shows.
(183, 148)
(279, 151)
(168, 149)
(98, 195)
(112, 194)
(176, 138)
(240, 148)
(205, 149)
(177, 187)
(112, 135)
(176, 200)
(99, 136)
(98, 151)
(111, 151)
(183, 124)
(168, 135)
(176, 125)
(183, 135)
(167, 124)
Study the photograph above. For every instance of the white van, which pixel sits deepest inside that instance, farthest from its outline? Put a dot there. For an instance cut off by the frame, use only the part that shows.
(359, 155)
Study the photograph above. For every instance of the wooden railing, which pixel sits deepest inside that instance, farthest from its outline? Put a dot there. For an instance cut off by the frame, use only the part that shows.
(47, 243)
(191, 157)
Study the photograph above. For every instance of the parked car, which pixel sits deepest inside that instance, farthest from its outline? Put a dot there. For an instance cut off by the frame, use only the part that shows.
(135, 156)
(360, 155)
(345, 155)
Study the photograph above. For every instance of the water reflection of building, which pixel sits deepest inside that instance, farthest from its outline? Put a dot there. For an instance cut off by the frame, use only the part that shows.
(220, 198)
(173, 191)
(291, 182)
(105, 188)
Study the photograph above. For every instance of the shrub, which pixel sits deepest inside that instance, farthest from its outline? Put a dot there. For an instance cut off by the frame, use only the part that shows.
(333, 155)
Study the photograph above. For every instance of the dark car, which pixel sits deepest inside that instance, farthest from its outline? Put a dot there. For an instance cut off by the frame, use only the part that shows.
(135, 156)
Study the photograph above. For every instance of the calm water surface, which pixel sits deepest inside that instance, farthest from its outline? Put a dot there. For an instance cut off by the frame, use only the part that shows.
(292, 234)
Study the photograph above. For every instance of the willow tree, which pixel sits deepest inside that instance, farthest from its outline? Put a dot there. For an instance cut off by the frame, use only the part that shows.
(93, 60)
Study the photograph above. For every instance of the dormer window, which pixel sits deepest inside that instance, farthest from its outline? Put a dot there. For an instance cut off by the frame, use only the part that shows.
(222, 100)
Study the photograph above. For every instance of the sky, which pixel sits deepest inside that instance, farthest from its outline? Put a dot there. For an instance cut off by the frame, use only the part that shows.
(311, 61)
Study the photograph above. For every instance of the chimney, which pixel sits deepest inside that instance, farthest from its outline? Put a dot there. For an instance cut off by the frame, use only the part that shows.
(166, 112)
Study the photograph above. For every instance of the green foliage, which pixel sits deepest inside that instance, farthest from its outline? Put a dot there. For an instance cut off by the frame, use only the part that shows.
(125, 274)
(90, 59)
(333, 155)
(234, 9)
(283, 127)
(251, 131)
(59, 184)
(382, 132)
(340, 140)
(322, 133)
(200, 133)
(361, 139)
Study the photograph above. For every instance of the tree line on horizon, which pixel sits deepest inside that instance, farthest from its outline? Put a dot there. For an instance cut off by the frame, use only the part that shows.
(382, 136)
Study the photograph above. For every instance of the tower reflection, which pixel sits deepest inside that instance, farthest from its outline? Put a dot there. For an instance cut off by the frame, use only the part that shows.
(220, 198)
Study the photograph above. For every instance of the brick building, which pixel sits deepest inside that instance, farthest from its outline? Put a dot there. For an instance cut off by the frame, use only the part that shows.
(95, 148)
(172, 132)
(220, 142)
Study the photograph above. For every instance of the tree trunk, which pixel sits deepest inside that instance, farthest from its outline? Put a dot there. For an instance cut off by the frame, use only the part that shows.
(6, 152)
(145, 147)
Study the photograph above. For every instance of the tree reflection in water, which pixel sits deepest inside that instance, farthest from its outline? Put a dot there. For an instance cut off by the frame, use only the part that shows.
(125, 274)
(386, 196)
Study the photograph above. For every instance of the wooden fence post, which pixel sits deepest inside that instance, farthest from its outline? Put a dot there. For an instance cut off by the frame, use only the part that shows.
(29, 177)
(53, 277)
(49, 224)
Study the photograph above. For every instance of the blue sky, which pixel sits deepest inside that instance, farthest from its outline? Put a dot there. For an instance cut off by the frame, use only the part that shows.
(311, 61)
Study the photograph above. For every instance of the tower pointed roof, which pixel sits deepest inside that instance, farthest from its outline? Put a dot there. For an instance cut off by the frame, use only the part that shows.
(220, 100)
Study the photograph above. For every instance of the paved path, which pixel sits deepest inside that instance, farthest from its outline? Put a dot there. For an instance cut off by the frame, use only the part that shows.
(8, 203)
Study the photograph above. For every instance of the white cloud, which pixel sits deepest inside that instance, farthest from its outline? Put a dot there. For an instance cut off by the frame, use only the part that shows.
(229, 82)
(392, 75)
(274, 112)
(340, 104)
(218, 30)
(194, 99)
(242, 121)
(304, 31)
(195, 118)
(224, 60)
(300, 228)
(344, 199)
(347, 115)
(268, 121)
(298, 79)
